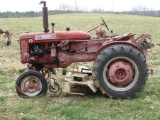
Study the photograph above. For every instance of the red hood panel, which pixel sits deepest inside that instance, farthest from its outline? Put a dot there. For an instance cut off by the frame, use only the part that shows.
(57, 35)
(73, 35)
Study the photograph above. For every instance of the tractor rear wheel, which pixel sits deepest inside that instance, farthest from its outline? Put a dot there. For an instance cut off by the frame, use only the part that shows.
(120, 71)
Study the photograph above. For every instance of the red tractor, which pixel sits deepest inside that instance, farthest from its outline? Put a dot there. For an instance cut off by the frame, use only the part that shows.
(119, 70)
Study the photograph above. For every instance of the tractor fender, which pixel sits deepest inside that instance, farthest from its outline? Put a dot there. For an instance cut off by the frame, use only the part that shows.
(108, 44)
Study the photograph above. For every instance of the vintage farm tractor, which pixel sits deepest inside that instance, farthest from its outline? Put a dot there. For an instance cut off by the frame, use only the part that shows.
(119, 70)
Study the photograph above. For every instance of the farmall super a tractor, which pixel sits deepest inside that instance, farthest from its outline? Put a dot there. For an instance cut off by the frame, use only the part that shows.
(119, 69)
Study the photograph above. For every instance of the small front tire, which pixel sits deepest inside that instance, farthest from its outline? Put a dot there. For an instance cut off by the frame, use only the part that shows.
(31, 84)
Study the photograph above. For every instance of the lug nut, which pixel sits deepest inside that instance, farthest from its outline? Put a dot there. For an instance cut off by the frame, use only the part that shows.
(111, 77)
(117, 65)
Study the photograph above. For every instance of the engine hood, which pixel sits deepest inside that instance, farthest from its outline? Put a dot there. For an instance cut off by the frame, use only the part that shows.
(57, 35)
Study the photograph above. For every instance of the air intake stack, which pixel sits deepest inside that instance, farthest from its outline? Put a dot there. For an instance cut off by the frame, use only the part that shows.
(45, 16)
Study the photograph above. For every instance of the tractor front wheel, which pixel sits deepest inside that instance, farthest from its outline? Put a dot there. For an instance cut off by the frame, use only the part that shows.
(31, 84)
(120, 71)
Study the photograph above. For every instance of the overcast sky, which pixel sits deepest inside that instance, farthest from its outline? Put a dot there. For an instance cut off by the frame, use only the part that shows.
(108, 5)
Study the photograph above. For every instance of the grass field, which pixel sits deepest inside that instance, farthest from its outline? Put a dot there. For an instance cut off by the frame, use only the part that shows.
(145, 107)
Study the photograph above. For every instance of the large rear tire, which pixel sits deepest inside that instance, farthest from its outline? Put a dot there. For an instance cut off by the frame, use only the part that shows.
(120, 71)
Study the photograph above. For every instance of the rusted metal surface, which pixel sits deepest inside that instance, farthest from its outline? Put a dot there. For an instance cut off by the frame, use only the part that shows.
(64, 44)
(45, 16)
(120, 73)
(101, 34)
(86, 47)
(66, 58)
(142, 41)
(46, 73)
(78, 46)
(31, 85)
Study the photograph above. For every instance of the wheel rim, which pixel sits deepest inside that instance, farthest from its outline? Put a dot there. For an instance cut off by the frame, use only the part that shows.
(31, 86)
(55, 88)
(120, 73)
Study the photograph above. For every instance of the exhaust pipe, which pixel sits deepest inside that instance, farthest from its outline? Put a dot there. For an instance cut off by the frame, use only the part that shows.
(45, 16)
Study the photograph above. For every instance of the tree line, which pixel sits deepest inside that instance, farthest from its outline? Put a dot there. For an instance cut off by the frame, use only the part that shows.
(17, 14)
(63, 9)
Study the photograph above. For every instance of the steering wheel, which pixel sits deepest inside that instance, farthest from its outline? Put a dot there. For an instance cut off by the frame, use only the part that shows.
(104, 23)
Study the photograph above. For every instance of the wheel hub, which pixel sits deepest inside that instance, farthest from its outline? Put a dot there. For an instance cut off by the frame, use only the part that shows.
(31, 85)
(120, 73)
